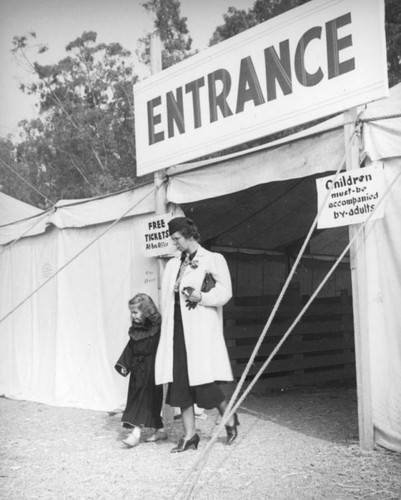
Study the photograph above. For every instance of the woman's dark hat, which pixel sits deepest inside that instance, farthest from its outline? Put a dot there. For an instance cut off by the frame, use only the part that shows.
(179, 223)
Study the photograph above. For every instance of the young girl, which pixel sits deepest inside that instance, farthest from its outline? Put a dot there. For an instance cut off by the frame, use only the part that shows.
(144, 399)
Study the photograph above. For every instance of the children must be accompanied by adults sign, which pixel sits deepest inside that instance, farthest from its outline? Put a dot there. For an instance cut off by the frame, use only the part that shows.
(353, 197)
(321, 58)
(155, 236)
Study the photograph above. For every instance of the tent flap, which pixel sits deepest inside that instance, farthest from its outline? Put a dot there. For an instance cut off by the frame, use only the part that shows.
(295, 160)
(73, 213)
(60, 347)
(381, 300)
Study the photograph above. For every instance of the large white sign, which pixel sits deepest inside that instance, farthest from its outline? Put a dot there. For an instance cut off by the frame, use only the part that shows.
(321, 58)
(352, 198)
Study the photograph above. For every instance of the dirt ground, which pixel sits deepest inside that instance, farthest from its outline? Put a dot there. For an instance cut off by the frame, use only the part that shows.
(293, 445)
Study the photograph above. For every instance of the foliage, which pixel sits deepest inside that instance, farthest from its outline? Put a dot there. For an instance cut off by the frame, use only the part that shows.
(236, 21)
(172, 30)
(16, 185)
(393, 37)
(83, 143)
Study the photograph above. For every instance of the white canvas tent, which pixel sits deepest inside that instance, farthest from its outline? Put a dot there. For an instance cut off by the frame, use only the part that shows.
(12, 210)
(60, 346)
(296, 159)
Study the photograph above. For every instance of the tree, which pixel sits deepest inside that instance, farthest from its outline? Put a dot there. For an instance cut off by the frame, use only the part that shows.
(16, 177)
(172, 30)
(236, 21)
(83, 142)
(393, 37)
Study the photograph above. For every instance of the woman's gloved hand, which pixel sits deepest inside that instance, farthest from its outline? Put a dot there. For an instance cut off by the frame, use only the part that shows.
(193, 297)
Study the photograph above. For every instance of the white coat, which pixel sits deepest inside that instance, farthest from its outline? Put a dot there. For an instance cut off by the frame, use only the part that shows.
(203, 326)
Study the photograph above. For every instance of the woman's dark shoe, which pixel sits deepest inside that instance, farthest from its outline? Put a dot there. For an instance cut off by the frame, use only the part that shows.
(231, 430)
(184, 445)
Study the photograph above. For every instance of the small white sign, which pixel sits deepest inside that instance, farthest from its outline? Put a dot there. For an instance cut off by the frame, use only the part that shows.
(155, 236)
(354, 196)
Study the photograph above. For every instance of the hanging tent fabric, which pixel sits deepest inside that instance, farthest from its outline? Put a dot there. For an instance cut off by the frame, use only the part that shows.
(60, 346)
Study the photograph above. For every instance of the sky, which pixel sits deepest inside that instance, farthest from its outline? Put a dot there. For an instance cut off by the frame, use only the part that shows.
(58, 22)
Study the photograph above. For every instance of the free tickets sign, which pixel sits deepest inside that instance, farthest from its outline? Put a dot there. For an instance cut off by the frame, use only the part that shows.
(155, 237)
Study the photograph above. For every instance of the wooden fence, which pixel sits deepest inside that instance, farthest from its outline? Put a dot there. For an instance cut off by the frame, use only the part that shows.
(319, 349)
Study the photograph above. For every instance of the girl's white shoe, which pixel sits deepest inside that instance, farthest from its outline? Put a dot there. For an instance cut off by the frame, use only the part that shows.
(132, 440)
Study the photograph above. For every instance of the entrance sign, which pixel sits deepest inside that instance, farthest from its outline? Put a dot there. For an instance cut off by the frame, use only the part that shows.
(353, 197)
(320, 58)
(155, 236)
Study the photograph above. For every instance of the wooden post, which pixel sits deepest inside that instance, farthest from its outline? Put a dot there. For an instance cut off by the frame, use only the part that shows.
(160, 207)
(361, 328)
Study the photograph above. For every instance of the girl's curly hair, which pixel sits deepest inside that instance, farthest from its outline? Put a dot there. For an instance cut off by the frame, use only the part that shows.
(147, 307)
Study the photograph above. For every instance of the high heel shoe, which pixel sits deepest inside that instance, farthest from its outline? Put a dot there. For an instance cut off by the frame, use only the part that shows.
(231, 430)
(184, 445)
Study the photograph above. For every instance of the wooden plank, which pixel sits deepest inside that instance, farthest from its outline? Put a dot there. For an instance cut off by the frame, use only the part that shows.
(314, 309)
(243, 352)
(289, 365)
(340, 373)
(262, 316)
(254, 331)
(320, 348)
(279, 382)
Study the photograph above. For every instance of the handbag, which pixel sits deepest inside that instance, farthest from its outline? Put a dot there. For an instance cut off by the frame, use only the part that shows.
(208, 283)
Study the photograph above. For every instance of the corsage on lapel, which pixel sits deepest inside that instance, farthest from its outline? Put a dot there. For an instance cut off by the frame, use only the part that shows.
(194, 264)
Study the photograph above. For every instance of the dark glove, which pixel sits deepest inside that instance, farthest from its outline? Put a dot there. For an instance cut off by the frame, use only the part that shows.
(190, 304)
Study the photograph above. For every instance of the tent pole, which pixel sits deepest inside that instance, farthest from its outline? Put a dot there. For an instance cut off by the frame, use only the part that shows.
(158, 176)
(160, 207)
(361, 328)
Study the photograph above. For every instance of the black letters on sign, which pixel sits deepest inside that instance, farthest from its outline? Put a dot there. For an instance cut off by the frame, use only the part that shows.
(248, 86)
(219, 100)
(335, 44)
(307, 79)
(175, 112)
(154, 120)
(278, 68)
(194, 88)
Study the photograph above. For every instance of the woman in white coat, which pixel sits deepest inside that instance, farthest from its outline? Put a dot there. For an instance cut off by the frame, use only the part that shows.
(192, 353)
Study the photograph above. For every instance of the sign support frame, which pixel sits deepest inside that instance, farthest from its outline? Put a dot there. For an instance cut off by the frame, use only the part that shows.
(160, 208)
(361, 328)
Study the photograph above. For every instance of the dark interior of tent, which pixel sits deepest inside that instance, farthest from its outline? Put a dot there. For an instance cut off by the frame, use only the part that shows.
(260, 231)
